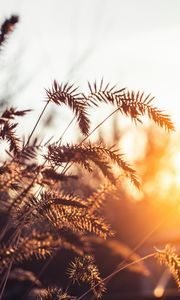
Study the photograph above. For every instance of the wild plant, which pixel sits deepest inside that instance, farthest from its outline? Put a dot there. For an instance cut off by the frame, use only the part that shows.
(39, 215)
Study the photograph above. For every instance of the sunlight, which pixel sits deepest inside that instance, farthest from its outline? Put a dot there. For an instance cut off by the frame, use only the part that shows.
(158, 292)
(176, 163)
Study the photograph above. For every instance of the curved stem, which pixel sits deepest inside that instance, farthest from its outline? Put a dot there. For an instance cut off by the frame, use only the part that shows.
(98, 126)
(117, 271)
(60, 139)
(140, 244)
(38, 276)
(3, 283)
(37, 122)
(67, 166)
(6, 226)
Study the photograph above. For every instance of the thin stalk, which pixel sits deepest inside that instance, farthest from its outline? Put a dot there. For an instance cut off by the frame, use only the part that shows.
(69, 285)
(48, 141)
(67, 166)
(21, 224)
(6, 226)
(38, 276)
(120, 266)
(3, 283)
(117, 271)
(65, 130)
(27, 143)
(38, 120)
(139, 245)
(4, 230)
(101, 123)
(146, 237)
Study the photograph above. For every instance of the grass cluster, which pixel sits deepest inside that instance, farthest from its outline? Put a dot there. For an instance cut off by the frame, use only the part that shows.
(39, 215)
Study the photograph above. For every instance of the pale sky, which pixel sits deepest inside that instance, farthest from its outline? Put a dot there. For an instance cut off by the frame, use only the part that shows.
(135, 43)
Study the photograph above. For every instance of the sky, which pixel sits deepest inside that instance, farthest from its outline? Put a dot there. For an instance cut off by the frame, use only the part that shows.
(132, 43)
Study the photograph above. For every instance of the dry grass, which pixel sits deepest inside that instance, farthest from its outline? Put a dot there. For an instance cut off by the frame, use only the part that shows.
(40, 216)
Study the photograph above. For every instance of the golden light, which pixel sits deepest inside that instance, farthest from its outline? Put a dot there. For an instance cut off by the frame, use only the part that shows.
(176, 163)
(161, 286)
(165, 165)
(159, 291)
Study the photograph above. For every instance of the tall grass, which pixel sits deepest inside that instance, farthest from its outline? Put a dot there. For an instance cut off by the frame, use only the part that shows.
(39, 215)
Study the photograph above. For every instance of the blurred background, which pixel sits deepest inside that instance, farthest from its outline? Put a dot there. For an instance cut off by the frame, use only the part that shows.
(133, 44)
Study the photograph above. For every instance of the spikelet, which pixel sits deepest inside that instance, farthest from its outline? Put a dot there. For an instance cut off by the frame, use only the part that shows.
(27, 248)
(7, 27)
(53, 293)
(23, 275)
(66, 94)
(96, 201)
(84, 269)
(8, 128)
(103, 93)
(170, 259)
(7, 132)
(137, 104)
(11, 113)
(130, 104)
(48, 219)
(74, 218)
(88, 154)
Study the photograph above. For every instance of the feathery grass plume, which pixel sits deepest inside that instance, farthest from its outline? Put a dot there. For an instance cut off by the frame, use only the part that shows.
(7, 132)
(78, 242)
(61, 239)
(86, 154)
(8, 129)
(170, 259)
(11, 113)
(50, 173)
(71, 214)
(64, 199)
(23, 275)
(61, 211)
(84, 269)
(18, 181)
(129, 103)
(38, 245)
(117, 158)
(103, 93)
(67, 94)
(53, 293)
(138, 104)
(7, 27)
(30, 152)
(27, 248)
(41, 217)
(12, 181)
(9, 173)
(42, 243)
(96, 201)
